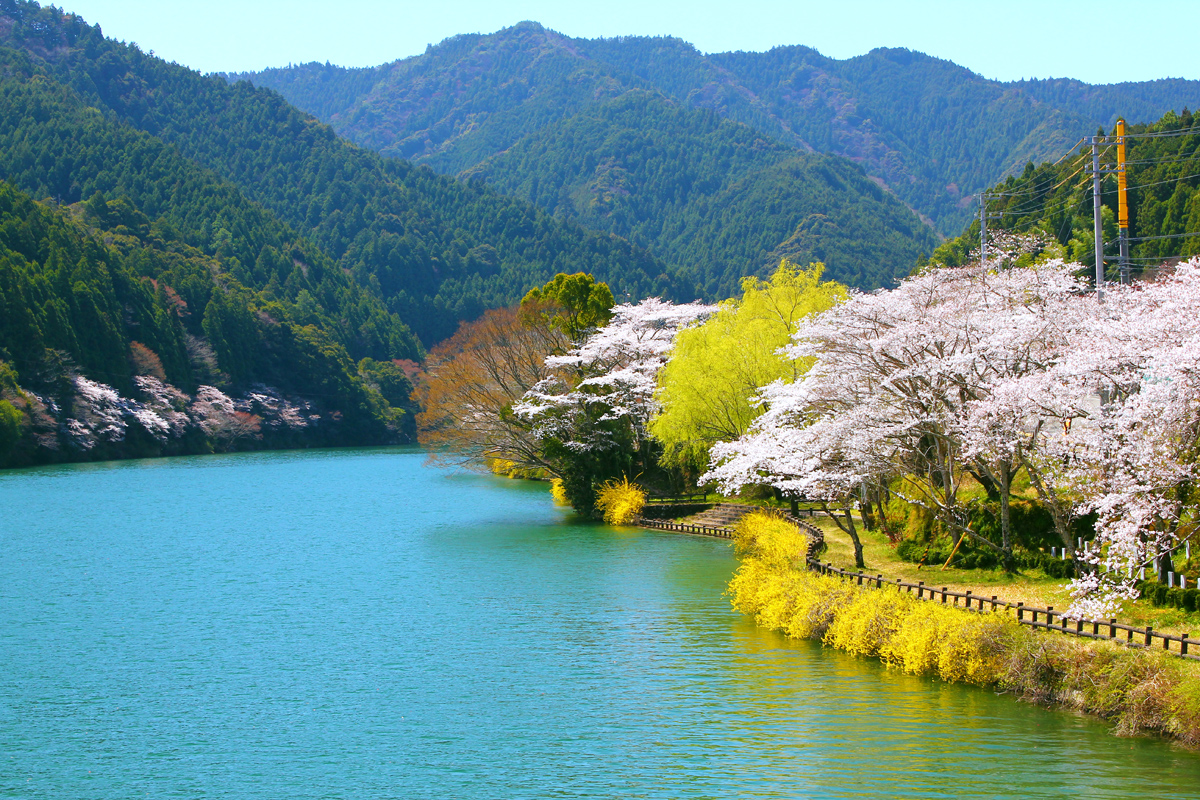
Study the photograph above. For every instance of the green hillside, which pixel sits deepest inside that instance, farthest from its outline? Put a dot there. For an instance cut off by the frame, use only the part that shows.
(115, 336)
(717, 198)
(435, 250)
(1055, 200)
(932, 132)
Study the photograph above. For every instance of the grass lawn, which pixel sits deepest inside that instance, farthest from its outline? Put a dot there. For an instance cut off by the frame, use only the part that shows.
(1031, 587)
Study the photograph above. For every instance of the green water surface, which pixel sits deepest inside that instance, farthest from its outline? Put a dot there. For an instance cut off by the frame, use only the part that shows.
(352, 624)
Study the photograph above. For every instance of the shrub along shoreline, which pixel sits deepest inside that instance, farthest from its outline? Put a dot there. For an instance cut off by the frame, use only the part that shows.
(1139, 691)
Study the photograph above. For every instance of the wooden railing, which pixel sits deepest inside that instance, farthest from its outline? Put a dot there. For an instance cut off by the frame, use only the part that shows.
(1051, 620)
(695, 497)
(686, 527)
(1046, 619)
(816, 536)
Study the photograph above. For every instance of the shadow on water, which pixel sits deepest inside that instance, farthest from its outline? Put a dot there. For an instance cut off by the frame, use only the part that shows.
(352, 623)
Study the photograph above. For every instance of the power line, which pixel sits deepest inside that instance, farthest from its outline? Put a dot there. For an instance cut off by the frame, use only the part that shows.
(1163, 134)
(1163, 236)
(1168, 180)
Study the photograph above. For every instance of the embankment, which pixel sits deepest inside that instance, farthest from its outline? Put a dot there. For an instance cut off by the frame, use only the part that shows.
(1139, 691)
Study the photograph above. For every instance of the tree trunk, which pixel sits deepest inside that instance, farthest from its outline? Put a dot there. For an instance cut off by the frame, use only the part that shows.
(850, 530)
(1165, 564)
(1006, 518)
(1058, 513)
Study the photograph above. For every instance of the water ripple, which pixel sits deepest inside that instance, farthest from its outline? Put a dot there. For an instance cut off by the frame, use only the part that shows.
(353, 624)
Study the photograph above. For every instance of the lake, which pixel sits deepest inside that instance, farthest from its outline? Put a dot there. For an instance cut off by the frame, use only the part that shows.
(353, 623)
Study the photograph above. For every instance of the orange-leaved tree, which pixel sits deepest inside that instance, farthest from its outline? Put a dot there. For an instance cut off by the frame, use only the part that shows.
(472, 380)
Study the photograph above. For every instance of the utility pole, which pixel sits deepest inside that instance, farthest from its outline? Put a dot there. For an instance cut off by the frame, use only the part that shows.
(984, 216)
(983, 229)
(1098, 220)
(1122, 201)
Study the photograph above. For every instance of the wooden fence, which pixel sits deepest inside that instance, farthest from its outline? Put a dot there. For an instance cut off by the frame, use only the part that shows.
(1033, 616)
(1046, 619)
(685, 527)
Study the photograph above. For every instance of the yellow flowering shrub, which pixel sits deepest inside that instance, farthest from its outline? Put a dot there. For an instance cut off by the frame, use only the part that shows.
(1138, 690)
(868, 622)
(502, 466)
(621, 501)
(770, 539)
(558, 492)
(918, 637)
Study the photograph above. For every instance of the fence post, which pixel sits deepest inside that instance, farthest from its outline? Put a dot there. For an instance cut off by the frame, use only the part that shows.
(1149, 634)
(1112, 628)
(879, 581)
(920, 589)
(1049, 616)
(968, 599)
(1183, 643)
(944, 588)
(1020, 612)
(993, 602)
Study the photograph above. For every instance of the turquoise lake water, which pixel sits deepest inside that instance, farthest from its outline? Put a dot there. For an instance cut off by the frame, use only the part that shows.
(352, 623)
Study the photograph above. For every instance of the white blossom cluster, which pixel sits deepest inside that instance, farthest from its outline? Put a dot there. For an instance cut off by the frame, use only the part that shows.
(995, 370)
(101, 414)
(610, 377)
(276, 410)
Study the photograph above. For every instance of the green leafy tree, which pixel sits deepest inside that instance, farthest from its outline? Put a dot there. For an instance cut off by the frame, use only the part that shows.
(574, 304)
(707, 388)
(10, 425)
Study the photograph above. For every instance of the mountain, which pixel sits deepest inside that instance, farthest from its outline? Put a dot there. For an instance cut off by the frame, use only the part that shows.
(716, 198)
(1052, 202)
(930, 131)
(525, 112)
(188, 266)
(433, 249)
(115, 335)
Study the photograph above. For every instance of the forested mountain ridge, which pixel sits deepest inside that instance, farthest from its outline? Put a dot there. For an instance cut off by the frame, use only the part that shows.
(435, 250)
(101, 356)
(933, 132)
(717, 198)
(211, 268)
(1050, 206)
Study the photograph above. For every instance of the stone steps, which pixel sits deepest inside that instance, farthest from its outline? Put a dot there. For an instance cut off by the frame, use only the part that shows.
(722, 515)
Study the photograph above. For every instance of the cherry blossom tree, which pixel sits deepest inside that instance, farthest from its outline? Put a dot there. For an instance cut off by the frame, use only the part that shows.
(1136, 446)
(591, 415)
(890, 394)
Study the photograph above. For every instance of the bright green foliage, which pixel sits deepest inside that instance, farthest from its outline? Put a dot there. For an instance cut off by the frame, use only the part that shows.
(579, 304)
(715, 370)
(10, 425)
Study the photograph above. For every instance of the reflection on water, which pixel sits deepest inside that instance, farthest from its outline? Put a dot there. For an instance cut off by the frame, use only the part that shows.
(351, 623)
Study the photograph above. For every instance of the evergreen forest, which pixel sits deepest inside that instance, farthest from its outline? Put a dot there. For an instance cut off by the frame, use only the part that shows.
(933, 133)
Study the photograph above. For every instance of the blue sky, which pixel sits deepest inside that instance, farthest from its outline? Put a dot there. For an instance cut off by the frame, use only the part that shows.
(1007, 40)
